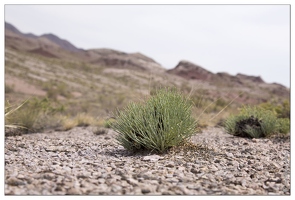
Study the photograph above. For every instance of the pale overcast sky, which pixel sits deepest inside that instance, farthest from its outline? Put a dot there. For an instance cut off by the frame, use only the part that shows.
(248, 39)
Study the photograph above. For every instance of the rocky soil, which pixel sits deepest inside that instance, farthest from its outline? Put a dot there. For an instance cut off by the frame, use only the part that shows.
(79, 162)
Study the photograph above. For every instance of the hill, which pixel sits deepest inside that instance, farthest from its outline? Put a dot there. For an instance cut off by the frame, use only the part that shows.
(97, 81)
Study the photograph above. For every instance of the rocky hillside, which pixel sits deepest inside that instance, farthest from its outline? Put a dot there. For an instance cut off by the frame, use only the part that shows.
(49, 45)
(189, 70)
(192, 71)
(97, 81)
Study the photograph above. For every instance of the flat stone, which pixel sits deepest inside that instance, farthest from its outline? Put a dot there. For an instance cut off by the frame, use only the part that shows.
(170, 164)
(152, 158)
(230, 155)
(213, 168)
(73, 191)
(145, 190)
(116, 188)
(132, 181)
(15, 181)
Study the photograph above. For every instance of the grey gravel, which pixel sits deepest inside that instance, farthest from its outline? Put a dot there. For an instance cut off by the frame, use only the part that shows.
(79, 162)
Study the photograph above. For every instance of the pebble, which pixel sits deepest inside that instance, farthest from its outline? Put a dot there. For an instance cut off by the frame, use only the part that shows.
(15, 181)
(152, 158)
(79, 162)
(145, 190)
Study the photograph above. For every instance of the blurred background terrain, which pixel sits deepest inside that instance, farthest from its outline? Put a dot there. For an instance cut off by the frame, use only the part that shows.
(67, 82)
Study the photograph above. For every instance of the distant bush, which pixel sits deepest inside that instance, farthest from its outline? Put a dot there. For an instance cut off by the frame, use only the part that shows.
(255, 122)
(68, 123)
(81, 119)
(55, 88)
(284, 125)
(282, 110)
(162, 121)
(34, 114)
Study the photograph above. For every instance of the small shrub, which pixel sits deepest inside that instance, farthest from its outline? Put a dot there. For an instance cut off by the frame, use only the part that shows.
(55, 88)
(161, 122)
(255, 122)
(282, 110)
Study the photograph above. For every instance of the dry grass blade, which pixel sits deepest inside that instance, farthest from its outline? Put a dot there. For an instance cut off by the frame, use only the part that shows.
(12, 111)
(225, 107)
(15, 109)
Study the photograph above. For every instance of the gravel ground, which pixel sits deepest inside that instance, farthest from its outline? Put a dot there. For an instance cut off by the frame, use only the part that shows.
(78, 162)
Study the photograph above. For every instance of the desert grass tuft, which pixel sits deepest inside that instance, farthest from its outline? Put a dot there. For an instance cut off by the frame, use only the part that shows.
(256, 122)
(9, 110)
(34, 114)
(81, 119)
(84, 119)
(162, 121)
(68, 123)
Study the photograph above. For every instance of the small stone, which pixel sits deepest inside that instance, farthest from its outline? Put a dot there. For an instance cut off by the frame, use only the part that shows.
(195, 171)
(49, 176)
(51, 149)
(259, 168)
(255, 140)
(116, 188)
(172, 180)
(171, 164)
(145, 190)
(152, 158)
(107, 138)
(15, 181)
(73, 191)
(181, 168)
(20, 176)
(11, 148)
(132, 181)
(230, 155)
(213, 168)
(109, 169)
(21, 145)
(250, 162)
(277, 175)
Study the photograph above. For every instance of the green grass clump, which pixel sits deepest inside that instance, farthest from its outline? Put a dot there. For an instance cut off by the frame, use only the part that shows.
(282, 110)
(162, 121)
(256, 122)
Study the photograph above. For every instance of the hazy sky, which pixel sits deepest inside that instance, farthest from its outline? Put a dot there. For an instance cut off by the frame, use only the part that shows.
(248, 39)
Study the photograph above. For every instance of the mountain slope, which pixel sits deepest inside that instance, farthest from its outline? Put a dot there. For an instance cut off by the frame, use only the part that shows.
(49, 45)
(97, 81)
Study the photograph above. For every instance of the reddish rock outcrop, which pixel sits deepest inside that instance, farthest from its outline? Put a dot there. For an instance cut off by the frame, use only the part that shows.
(189, 70)
(255, 79)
